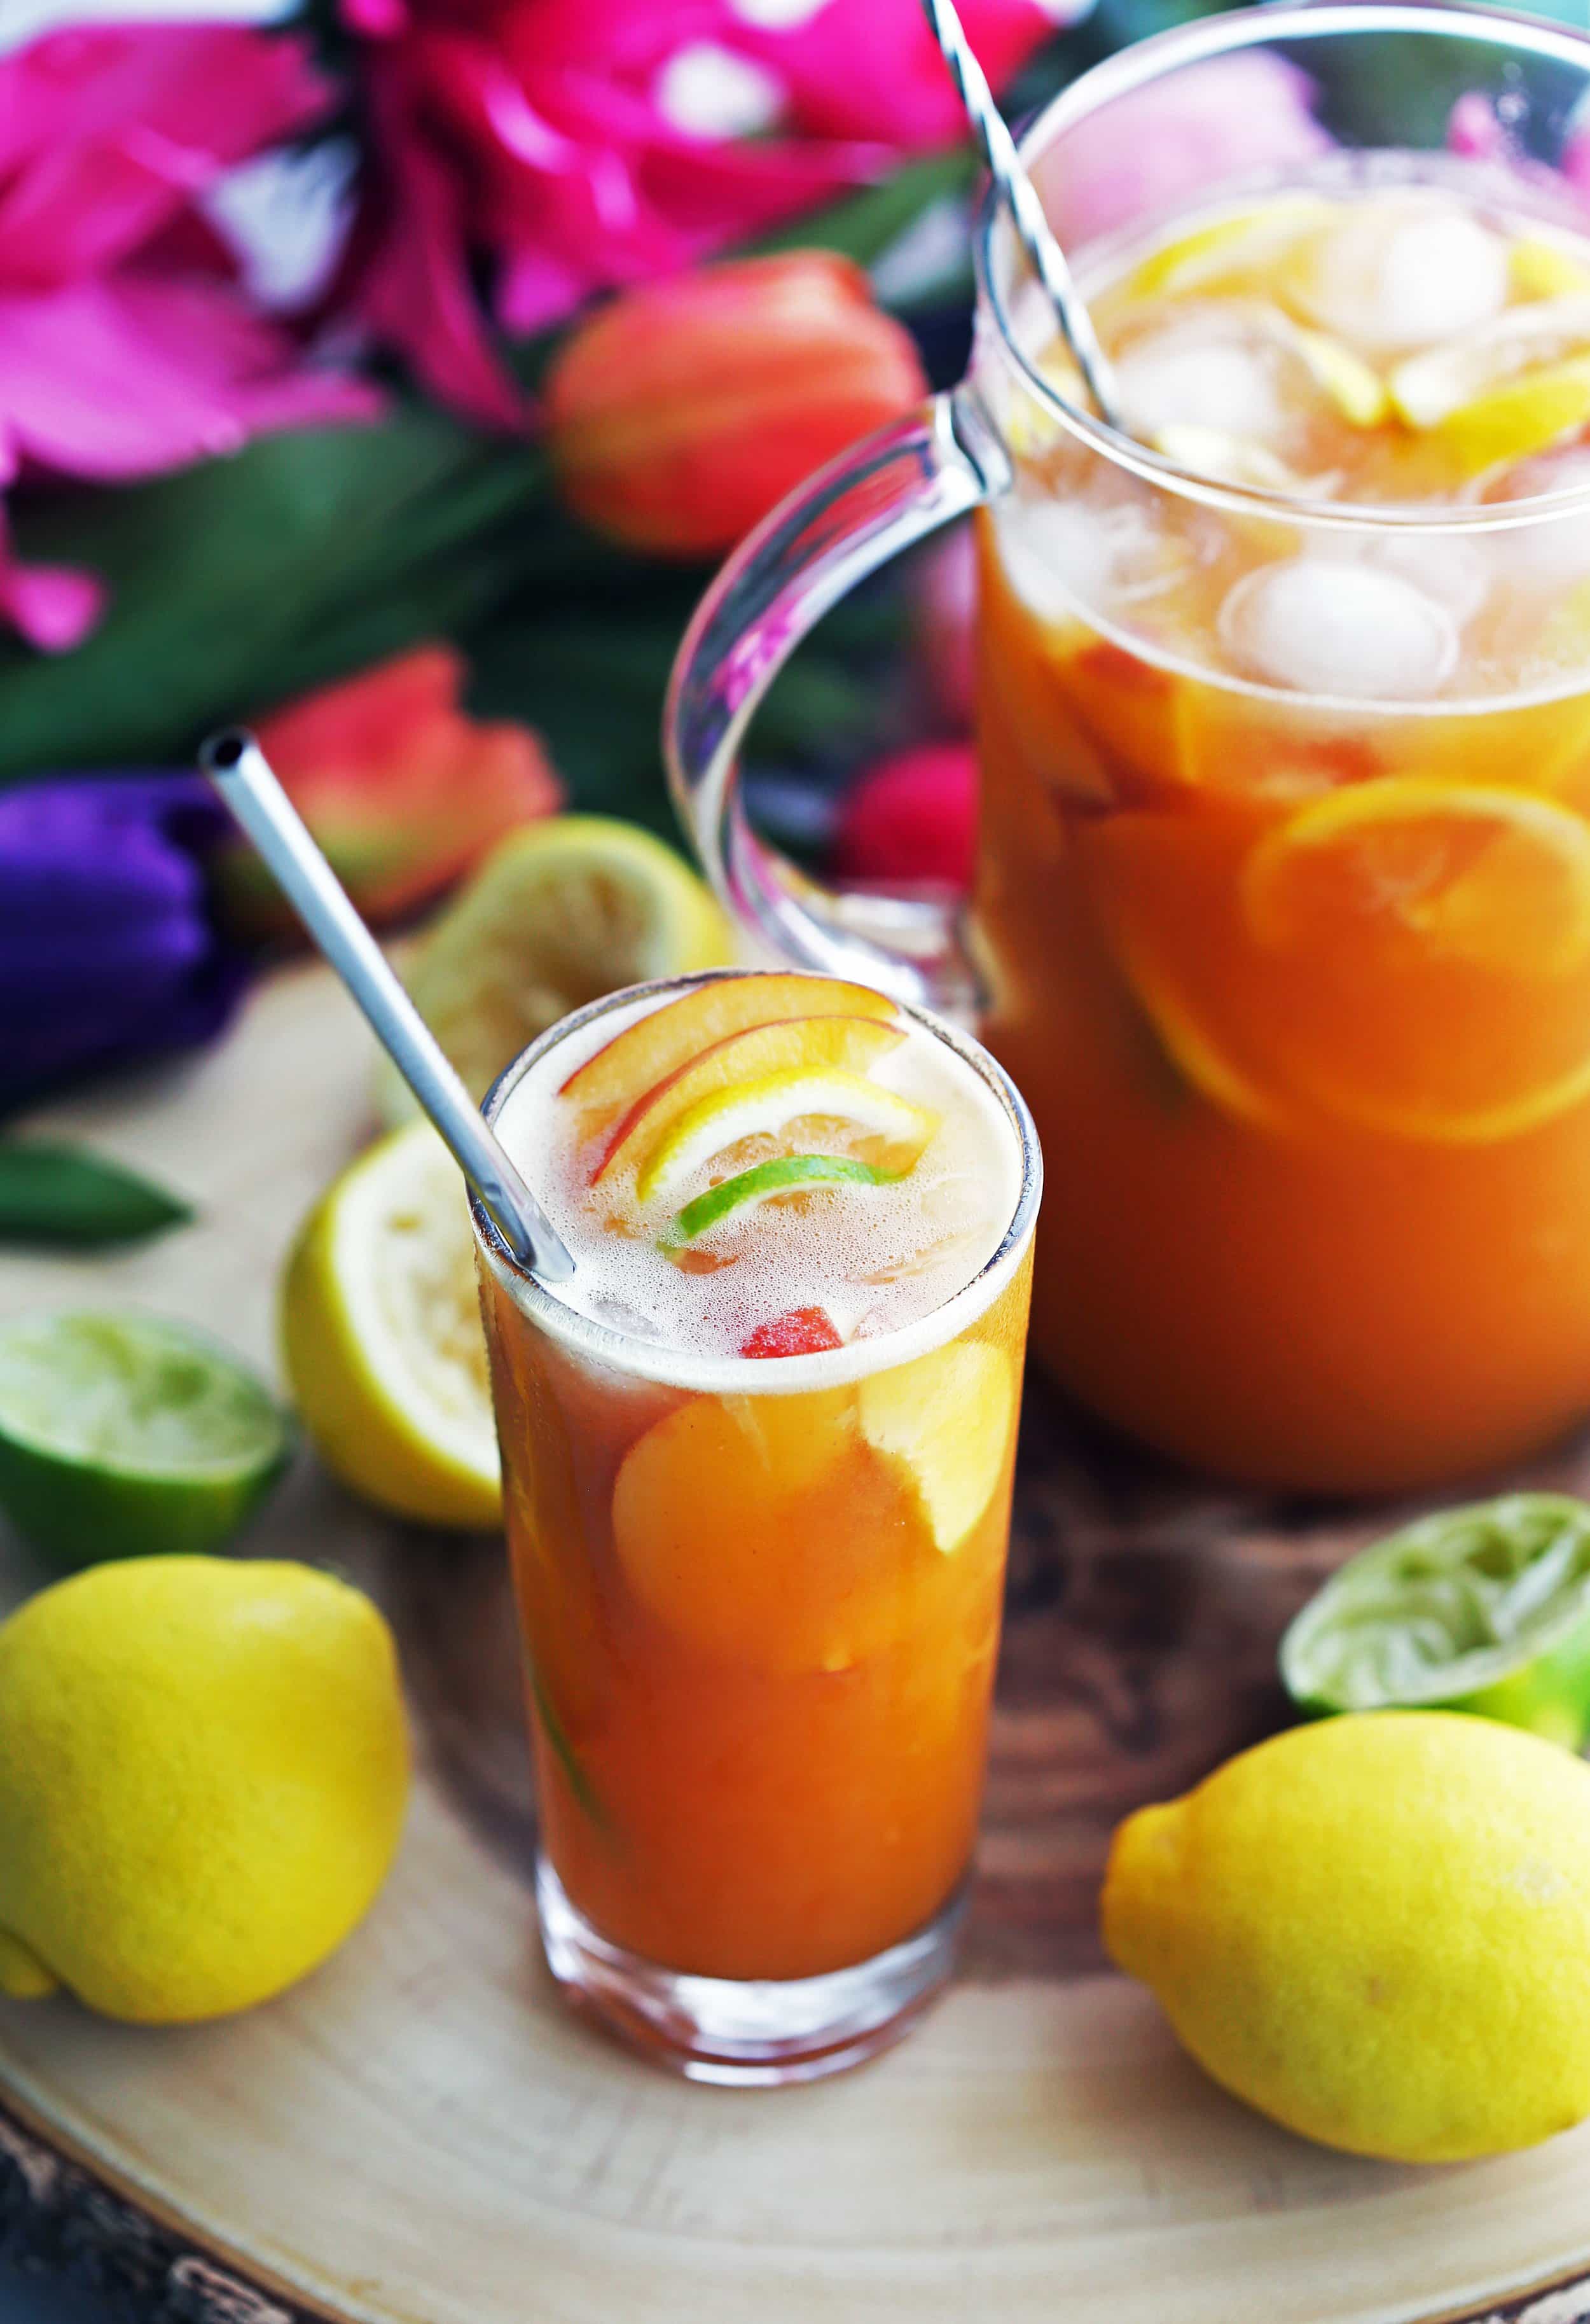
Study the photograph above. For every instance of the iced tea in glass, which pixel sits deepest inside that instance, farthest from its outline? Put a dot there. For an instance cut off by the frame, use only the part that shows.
(758, 1467)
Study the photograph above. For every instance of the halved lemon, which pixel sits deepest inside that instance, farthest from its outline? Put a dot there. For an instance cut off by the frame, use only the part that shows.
(808, 1043)
(558, 915)
(382, 1336)
(949, 1418)
(1424, 956)
(766, 1107)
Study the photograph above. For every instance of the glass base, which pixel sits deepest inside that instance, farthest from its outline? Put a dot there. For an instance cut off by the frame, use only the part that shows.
(752, 2033)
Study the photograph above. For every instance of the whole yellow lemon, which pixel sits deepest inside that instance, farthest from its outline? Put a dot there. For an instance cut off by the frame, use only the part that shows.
(204, 1766)
(1377, 1930)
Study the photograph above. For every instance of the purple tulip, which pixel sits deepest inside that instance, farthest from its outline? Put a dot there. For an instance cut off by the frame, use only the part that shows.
(108, 953)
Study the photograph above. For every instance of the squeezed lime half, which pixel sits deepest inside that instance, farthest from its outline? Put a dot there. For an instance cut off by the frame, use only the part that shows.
(1484, 1609)
(123, 1436)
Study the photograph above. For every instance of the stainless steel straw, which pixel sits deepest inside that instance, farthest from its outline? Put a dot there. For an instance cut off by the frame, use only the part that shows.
(239, 769)
(1020, 197)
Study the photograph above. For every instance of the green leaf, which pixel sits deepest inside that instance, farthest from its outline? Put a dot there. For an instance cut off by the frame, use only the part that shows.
(241, 581)
(864, 225)
(556, 1734)
(61, 1196)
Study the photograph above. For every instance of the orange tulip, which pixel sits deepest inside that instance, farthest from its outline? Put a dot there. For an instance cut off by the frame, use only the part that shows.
(682, 411)
(404, 790)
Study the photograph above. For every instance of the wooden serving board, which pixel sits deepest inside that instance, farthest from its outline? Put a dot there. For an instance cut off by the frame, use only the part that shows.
(420, 2135)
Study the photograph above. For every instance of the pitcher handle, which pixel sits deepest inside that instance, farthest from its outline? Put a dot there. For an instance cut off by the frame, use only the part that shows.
(881, 496)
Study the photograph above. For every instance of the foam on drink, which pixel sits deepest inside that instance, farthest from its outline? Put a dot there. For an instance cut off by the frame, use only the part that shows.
(875, 1258)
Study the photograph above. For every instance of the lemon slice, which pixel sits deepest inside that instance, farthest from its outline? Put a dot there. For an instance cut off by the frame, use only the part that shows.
(808, 1043)
(1355, 387)
(1428, 389)
(766, 1107)
(1539, 268)
(382, 1336)
(949, 1417)
(1234, 254)
(558, 915)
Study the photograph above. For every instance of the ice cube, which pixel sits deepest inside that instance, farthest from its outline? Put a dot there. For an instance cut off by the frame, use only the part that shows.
(1455, 573)
(1333, 625)
(1551, 549)
(1400, 273)
(1067, 558)
(1216, 366)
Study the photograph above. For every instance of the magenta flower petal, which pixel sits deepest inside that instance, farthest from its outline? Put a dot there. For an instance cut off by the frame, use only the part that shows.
(54, 606)
(107, 133)
(1149, 150)
(580, 145)
(126, 346)
(121, 377)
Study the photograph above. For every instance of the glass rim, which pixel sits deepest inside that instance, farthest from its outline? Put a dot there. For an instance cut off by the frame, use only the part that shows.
(1150, 61)
(734, 1375)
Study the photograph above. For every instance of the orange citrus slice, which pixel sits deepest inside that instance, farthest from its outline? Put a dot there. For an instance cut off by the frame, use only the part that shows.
(1423, 952)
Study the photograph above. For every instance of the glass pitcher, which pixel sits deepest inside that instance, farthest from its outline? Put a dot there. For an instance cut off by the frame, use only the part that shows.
(1291, 960)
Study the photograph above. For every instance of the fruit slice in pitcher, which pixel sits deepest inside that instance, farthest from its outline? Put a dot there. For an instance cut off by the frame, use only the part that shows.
(1424, 955)
(852, 1044)
(656, 1045)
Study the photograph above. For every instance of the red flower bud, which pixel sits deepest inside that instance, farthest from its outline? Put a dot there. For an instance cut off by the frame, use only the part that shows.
(402, 788)
(682, 411)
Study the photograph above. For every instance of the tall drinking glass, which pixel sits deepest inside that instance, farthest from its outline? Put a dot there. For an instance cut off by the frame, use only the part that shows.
(1281, 915)
(760, 1608)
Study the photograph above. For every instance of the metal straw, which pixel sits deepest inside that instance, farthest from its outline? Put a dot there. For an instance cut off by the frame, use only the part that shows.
(1020, 197)
(241, 772)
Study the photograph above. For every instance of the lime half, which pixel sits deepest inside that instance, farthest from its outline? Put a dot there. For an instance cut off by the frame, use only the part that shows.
(121, 1436)
(1484, 1609)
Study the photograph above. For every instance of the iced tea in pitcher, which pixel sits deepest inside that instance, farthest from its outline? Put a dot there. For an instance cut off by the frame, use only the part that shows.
(1284, 902)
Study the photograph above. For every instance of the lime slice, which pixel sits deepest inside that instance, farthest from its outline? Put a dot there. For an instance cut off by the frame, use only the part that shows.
(381, 1330)
(1485, 1608)
(784, 1173)
(558, 915)
(121, 1436)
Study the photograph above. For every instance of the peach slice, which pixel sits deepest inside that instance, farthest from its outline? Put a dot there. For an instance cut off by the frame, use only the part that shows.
(850, 1043)
(757, 1530)
(656, 1045)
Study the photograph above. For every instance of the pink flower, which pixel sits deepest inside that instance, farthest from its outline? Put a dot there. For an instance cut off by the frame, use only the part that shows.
(1475, 130)
(125, 346)
(577, 145)
(1151, 150)
(911, 820)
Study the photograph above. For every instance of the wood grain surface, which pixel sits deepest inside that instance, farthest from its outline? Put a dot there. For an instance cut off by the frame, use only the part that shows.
(421, 2131)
